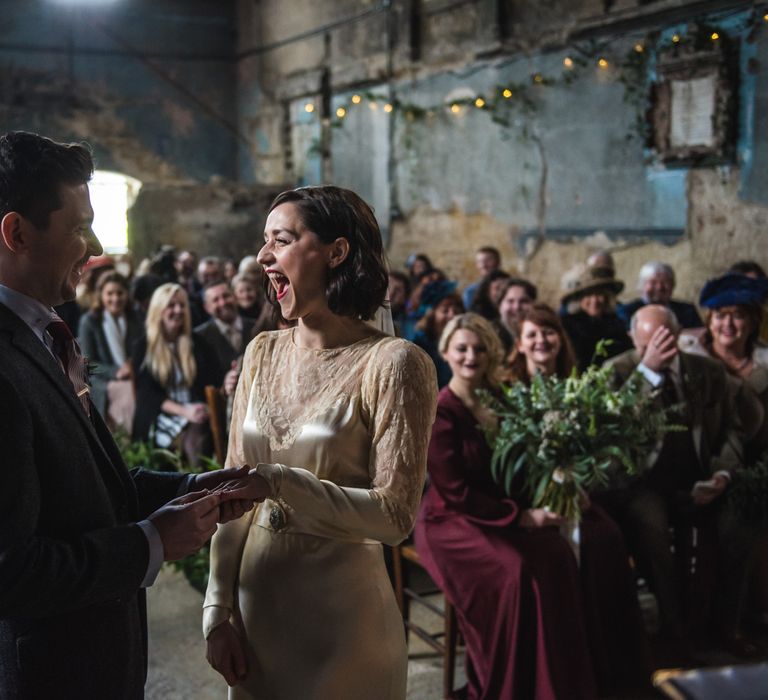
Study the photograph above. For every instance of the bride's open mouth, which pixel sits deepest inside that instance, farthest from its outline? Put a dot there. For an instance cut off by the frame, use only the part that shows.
(280, 283)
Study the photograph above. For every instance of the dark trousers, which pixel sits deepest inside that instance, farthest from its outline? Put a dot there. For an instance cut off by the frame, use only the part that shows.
(695, 583)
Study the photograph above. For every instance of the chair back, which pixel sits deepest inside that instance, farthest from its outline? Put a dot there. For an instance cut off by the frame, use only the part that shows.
(217, 415)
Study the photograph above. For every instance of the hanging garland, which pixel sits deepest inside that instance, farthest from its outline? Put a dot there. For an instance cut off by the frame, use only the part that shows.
(505, 100)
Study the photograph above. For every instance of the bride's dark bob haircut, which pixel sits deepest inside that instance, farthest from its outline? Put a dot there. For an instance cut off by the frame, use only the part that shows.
(357, 287)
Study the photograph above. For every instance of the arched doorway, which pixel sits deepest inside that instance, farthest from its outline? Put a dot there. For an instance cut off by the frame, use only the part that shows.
(112, 194)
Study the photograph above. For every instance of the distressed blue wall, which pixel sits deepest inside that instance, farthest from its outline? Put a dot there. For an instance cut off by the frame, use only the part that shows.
(565, 168)
(753, 144)
(81, 71)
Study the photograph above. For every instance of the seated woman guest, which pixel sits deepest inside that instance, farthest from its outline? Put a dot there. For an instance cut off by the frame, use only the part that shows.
(733, 316)
(251, 304)
(542, 346)
(247, 291)
(488, 295)
(107, 334)
(172, 369)
(515, 297)
(417, 264)
(594, 318)
(441, 304)
(536, 625)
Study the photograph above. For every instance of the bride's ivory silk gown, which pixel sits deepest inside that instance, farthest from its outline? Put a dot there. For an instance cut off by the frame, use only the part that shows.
(341, 436)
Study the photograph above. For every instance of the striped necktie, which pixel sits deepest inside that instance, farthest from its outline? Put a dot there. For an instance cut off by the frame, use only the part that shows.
(67, 350)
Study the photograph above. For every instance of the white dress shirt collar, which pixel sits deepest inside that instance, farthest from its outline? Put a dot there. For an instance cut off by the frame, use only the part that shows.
(34, 313)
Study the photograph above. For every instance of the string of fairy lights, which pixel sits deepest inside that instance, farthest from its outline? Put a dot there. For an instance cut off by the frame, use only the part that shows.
(498, 102)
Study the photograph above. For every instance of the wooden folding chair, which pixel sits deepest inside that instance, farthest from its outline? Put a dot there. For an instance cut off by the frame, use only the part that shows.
(444, 641)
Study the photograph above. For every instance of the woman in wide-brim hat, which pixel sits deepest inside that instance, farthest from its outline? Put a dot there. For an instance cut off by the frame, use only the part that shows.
(593, 299)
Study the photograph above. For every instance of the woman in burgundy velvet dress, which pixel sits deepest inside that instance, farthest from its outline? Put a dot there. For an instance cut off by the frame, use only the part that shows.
(536, 625)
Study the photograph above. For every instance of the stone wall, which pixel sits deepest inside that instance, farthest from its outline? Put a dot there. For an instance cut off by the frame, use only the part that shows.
(150, 84)
(219, 218)
(560, 180)
(182, 91)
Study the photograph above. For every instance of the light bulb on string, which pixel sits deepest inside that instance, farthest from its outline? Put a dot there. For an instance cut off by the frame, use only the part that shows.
(603, 63)
(675, 38)
(356, 99)
(714, 36)
(639, 48)
(455, 108)
(388, 108)
(341, 112)
(507, 93)
(568, 62)
(479, 103)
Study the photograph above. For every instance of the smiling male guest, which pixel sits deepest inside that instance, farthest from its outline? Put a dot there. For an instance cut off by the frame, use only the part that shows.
(656, 282)
(226, 332)
(80, 536)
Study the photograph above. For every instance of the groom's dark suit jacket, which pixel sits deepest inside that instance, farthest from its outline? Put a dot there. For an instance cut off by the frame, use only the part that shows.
(72, 615)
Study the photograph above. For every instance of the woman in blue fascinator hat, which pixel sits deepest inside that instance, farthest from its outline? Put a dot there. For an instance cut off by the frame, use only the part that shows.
(733, 306)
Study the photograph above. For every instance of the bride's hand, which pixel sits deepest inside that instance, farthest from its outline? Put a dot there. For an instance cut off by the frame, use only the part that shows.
(226, 653)
(251, 487)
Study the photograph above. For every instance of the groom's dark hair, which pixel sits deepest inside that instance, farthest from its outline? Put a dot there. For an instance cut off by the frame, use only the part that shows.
(33, 167)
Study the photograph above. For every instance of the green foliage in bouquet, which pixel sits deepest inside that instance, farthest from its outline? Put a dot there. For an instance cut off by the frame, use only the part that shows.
(137, 454)
(748, 494)
(558, 436)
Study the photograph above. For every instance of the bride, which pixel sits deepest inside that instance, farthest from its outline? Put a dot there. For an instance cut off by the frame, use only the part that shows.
(336, 418)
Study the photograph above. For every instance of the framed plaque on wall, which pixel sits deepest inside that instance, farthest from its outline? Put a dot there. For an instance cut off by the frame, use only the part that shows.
(693, 114)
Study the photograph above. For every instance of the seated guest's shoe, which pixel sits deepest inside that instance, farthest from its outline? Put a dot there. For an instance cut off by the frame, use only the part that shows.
(741, 646)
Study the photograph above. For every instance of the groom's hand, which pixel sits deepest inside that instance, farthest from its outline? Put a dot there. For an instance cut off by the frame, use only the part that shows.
(226, 653)
(232, 505)
(186, 523)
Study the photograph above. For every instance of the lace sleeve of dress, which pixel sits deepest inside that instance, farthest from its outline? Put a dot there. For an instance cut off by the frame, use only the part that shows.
(399, 392)
(401, 396)
(228, 542)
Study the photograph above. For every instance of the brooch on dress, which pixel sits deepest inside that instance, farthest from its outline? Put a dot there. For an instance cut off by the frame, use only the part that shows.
(277, 519)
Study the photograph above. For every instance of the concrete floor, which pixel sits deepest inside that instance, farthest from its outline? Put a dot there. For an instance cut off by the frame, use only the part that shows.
(178, 669)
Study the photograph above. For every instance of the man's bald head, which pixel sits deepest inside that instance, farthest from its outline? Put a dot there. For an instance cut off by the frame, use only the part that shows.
(647, 319)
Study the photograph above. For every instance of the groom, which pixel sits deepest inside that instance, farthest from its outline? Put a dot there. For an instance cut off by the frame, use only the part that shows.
(80, 536)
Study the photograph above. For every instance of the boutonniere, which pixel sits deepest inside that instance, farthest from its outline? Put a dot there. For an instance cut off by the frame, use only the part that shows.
(89, 369)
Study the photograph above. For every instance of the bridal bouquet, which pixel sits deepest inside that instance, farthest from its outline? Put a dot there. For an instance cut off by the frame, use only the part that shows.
(559, 437)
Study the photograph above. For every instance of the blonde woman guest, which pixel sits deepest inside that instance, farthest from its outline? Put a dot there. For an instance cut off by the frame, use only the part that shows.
(172, 368)
(535, 624)
(107, 334)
